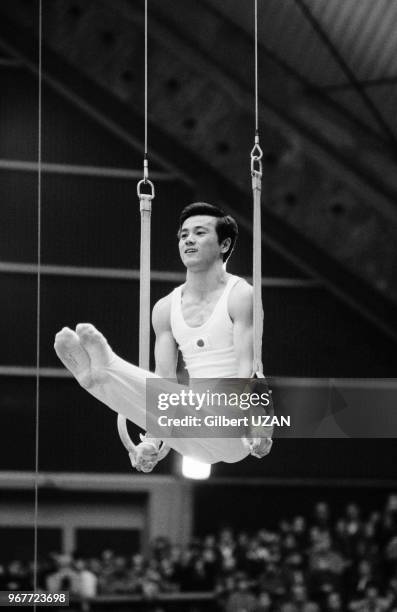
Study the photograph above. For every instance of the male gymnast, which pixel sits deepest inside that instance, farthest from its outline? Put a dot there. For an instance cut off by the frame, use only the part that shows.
(208, 318)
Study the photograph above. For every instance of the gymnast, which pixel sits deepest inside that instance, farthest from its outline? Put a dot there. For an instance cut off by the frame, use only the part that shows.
(209, 318)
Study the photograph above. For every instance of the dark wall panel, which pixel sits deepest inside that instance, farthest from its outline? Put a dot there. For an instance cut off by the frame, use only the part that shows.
(265, 506)
(92, 542)
(311, 333)
(18, 316)
(18, 542)
(307, 332)
(324, 458)
(70, 135)
(18, 114)
(77, 432)
(87, 221)
(18, 226)
(96, 222)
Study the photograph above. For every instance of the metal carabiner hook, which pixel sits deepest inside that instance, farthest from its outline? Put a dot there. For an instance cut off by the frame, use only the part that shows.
(256, 152)
(256, 156)
(141, 194)
(256, 165)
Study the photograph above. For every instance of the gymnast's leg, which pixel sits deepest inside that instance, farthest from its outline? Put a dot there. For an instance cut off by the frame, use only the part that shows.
(113, 381)
(122, 387)
(88, 356)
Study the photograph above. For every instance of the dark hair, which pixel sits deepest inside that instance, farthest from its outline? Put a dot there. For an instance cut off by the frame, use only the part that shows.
(226, 226)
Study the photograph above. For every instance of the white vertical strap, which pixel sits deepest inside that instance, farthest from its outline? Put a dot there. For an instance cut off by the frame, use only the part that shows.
(144, 282)
(257, 272)
(256, 173)
(145, 205)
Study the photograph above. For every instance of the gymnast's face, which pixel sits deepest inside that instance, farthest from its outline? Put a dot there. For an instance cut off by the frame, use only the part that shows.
(199, 247)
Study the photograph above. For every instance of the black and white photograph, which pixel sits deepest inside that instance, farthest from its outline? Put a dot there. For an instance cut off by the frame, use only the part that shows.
(198, 280)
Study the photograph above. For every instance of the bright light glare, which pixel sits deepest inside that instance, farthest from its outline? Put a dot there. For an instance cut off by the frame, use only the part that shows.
(195, 469)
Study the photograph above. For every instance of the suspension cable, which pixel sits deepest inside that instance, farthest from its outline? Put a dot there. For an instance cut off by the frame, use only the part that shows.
(38, 302)
(146, 79)
(145, 200)
(256, 67)
(145, 147)
(256, 153)
(146, 193)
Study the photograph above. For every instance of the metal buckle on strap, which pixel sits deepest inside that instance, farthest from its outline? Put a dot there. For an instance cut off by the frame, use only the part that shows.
(256, 158)
(142, 194)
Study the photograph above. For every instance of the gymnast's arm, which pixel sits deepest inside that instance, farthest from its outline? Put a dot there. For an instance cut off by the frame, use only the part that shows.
(165, 348)
(241, 312)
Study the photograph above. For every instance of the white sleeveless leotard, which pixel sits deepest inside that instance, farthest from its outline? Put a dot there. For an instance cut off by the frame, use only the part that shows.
(208, 350)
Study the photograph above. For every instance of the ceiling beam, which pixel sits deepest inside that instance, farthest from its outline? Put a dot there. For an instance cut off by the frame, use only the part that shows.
(392, 80)
(163, 276)
(277, 108)
(373, 109)
(82, 170)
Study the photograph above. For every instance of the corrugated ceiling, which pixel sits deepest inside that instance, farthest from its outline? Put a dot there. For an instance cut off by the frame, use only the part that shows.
(316, 37)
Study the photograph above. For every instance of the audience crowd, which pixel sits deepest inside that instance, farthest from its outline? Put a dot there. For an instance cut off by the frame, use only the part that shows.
(308, 564)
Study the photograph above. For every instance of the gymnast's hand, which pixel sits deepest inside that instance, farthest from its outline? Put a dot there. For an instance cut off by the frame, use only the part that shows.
(145, 455)
(259, 447)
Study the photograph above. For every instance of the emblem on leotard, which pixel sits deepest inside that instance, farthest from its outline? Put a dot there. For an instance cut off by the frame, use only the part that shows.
(200, 342)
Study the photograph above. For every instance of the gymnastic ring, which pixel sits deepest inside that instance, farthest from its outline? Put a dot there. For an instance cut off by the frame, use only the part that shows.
(124, 435)
(130, 447)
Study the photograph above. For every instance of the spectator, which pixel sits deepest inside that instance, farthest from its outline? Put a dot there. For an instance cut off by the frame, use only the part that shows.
(264, 603)
(353, 530)
(63, 576)
(336, 565)
(299, 602)
(84, 582)
(371, 602)
(365, 576)
(271, 580)
(16, 577)
(3, 578)
(333, 602)
(326, 566)
(299, 529)
(321, 518)
(242, 599)
(353, 521)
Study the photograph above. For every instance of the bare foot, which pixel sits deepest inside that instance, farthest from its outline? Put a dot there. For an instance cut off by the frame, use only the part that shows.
(96, 345)
(85, 353)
